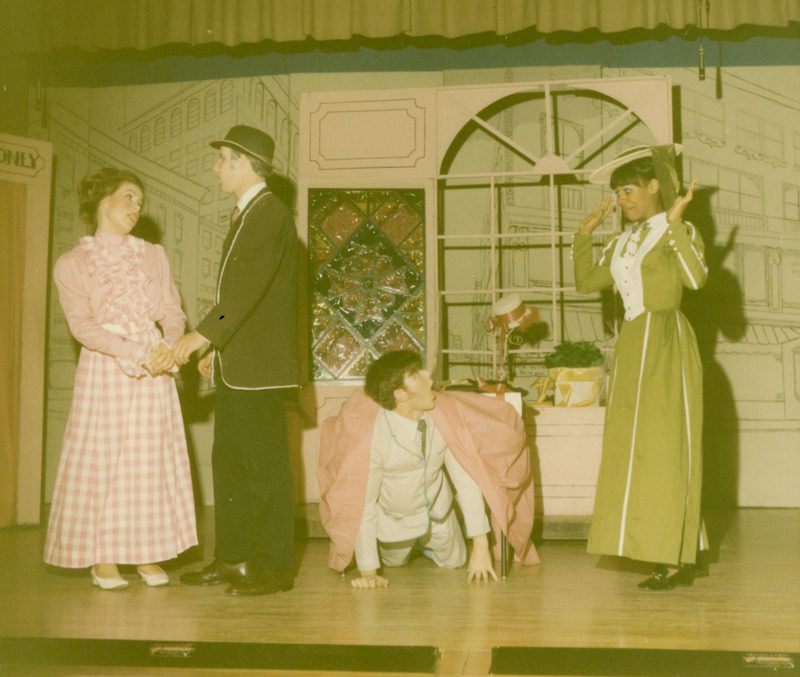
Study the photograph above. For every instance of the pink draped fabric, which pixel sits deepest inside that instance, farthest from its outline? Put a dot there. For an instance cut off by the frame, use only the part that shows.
(486, 436)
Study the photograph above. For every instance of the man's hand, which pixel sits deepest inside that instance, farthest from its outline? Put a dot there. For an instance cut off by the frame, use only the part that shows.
(479, 567)
(369, 580)
(159, 361)
(204, 365)
(186, 345)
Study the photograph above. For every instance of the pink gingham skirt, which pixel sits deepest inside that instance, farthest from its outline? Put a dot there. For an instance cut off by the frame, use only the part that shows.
(123, 491)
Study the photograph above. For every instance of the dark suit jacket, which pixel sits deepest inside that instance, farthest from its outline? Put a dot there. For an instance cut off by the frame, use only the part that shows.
(253, 325)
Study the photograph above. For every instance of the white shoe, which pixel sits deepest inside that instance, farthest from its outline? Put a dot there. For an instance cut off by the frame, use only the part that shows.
(154, 580)
(116, 583)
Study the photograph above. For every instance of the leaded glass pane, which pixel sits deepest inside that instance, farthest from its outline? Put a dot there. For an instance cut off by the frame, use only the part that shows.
(367, 252)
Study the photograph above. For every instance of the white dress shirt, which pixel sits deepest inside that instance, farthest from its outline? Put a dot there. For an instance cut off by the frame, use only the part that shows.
(249, 194)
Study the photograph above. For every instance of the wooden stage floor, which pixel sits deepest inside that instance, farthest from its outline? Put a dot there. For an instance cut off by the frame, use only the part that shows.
(748, 609)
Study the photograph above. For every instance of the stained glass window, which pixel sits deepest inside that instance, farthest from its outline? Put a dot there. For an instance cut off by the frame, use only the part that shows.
(366, 249)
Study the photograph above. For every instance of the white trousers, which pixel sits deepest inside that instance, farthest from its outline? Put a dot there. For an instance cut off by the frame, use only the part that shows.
(444, 544)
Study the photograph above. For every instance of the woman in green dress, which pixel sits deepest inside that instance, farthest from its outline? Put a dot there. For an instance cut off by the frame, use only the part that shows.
(647, 505)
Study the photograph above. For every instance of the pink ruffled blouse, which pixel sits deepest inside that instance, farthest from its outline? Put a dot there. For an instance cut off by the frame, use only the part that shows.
(113, 290)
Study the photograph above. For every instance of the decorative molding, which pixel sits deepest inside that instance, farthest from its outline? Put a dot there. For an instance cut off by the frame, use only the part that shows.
(706, 139)
(367, 134)
(761, 157)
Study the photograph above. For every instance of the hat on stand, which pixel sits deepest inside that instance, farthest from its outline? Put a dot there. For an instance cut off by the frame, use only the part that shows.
(509, 313)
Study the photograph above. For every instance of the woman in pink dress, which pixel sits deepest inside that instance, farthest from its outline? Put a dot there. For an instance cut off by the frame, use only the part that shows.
(123, 492)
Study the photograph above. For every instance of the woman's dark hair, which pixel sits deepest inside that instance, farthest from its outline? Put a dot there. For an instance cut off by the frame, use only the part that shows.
(388, 373)
(638, 172)
(96, 186)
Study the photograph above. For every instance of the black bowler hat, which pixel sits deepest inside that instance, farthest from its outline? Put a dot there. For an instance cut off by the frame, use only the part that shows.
(249, 140)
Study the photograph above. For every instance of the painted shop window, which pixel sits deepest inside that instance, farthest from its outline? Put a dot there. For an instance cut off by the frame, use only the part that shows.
(193, 113)
(703, 119)
(175, 122)
(146, 138)
(791, 207)
(210, 105)
(271, 116)
(160, 132)
(366, 250)
(226, 97)
(774, 144)
(796, 154)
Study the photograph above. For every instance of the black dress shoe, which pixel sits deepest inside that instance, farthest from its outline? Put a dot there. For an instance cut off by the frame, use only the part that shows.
(215, 573)
(658, 579)
(267, 582)
(686, 574)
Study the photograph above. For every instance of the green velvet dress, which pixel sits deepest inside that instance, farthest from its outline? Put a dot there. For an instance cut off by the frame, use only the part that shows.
(647, 505)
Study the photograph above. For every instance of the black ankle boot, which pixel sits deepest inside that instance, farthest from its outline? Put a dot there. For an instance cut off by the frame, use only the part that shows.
(686, 574)
(658, 579)
(683, 576)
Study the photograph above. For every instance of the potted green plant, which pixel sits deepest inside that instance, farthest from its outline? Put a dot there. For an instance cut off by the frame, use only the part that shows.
(576, 372)
(574, 354)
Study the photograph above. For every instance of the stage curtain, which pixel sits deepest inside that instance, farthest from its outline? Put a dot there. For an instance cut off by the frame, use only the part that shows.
(43, 25)
(12, 257)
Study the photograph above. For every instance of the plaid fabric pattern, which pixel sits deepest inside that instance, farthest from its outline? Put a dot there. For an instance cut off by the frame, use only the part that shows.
(123, 491)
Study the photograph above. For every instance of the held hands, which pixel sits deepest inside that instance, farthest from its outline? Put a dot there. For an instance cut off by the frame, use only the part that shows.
(162, 360)
(369, 580)
(204, 365)
(675, 212)
(186, 345)
(159, 361)
(479, 567)
(596, 216)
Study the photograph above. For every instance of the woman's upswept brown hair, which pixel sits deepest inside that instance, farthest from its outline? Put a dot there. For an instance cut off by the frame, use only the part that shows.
(98, 185)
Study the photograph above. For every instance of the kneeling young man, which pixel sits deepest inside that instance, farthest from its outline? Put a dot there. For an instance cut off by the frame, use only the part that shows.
(385, 460)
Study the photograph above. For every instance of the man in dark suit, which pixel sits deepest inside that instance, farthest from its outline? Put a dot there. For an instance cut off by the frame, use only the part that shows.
(253, 358)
